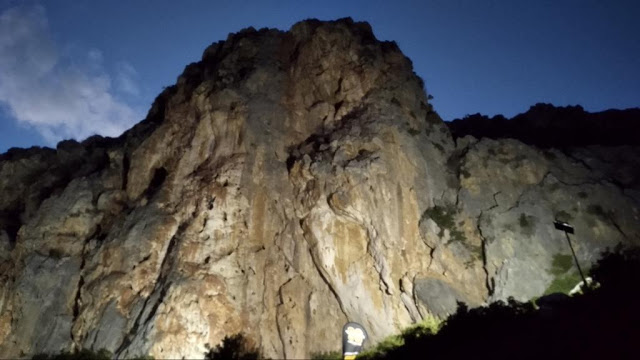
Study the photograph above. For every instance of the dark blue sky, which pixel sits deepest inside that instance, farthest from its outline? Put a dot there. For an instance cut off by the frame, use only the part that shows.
(72, 68)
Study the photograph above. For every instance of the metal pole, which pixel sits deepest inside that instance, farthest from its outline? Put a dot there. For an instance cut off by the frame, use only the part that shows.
(584, 281)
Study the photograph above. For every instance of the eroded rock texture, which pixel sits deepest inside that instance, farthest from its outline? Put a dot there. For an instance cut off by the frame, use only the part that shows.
(289, 182)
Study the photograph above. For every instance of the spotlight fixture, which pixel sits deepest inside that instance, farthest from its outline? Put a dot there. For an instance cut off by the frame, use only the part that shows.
(568, 229)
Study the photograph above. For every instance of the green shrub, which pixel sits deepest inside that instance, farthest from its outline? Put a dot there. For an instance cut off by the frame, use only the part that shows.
(329, 355)
(382, 348)
(430, 325)
(83, 354)
(563, 283)
(234, 347)
(599, 323)
(432, 117)
(443, 216)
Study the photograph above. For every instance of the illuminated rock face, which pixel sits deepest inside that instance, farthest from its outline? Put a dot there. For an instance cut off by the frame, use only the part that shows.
(288, 183)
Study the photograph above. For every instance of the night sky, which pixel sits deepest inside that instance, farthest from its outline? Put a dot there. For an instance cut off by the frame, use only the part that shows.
(70, 69)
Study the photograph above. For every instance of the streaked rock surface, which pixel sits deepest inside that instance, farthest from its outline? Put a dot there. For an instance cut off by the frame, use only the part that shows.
(289, 182)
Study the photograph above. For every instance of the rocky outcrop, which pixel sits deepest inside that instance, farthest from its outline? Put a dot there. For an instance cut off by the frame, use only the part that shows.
(545, 125)
(288, 183)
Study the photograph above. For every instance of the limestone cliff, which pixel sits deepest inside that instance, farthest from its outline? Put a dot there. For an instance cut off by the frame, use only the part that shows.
(289, 182)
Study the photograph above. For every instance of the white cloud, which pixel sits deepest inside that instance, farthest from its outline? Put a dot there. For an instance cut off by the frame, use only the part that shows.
(60, 99)
(126, 79)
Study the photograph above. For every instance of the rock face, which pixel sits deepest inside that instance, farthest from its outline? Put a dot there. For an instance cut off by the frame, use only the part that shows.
(288, 183)
(545, 125)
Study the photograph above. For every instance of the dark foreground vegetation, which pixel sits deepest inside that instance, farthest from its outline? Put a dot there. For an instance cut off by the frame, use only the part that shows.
(601, 323)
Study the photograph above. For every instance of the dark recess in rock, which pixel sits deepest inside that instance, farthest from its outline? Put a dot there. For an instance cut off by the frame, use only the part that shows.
(158, 179)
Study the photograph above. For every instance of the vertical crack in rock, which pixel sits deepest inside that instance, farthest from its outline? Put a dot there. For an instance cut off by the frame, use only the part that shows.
(416, 299)
(615, 224)
(278, 326)
(454, 164)
(431, 251)
(326, 281)
(78, 296)
(489, 281)
(11, 221)
(161, 288)
(378, 260)
(495, 201)
(373, 246)
(126, 164)
(76, 302)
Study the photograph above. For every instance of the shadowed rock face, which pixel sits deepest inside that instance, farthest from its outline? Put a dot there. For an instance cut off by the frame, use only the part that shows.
(288, 183)
(545, 125)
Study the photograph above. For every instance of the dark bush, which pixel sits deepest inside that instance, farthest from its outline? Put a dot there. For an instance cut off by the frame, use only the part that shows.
(83, 354)
(234, 347)
(601, 323)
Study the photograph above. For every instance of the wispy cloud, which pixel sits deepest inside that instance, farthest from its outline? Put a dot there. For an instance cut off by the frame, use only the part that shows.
(126, 79)
(61, 98)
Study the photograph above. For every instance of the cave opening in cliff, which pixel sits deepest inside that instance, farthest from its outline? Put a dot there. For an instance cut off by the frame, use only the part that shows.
(159, 176)
(12, 224)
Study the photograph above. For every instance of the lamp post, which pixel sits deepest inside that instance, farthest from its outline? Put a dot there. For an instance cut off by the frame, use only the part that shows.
(568, 229)
(353, 337)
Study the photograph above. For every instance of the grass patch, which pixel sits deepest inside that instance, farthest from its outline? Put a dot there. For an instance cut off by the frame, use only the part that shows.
(561, 264)
(329, 355)
(563, 280)
(443, 216)
(563, 283)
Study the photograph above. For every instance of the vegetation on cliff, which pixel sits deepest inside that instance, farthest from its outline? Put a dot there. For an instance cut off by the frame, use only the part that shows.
(600, 323)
